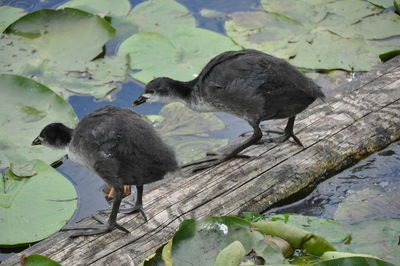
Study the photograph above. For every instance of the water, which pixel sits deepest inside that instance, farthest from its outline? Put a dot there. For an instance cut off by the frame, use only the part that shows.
(370, 190)
(380, 171)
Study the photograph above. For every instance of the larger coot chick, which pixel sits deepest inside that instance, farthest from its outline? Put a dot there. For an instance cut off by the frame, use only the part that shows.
(121, 147)
(249, 84)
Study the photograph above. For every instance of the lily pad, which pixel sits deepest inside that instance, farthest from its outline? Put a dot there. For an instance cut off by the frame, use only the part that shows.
(101, 7)
(231, 255)
(38, 260)
(48, 45)
(355, 260)
(36, 207)
(376, 237)
(168, 42)
(181, 55)
(161, 16)
(26, 107)
(188, 131)
(8, 15)
(382, 3)
(201, 241)
(324, 35)
(332, 231)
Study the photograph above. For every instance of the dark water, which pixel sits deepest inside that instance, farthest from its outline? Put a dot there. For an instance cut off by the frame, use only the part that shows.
(379, 171)
(368, 190)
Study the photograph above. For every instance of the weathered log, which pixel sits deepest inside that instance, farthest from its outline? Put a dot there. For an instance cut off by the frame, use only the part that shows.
(336, 134)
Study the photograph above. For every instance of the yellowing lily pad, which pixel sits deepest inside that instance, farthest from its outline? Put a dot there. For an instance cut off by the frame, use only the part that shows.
(34, 208)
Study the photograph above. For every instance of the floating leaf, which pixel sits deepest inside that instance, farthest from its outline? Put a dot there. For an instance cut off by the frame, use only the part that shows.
(324, 35)
(26, 108)
(187, 131)
(181, 55)
(169, 43)
(34, 208)
(311, 243)
(376, 237)
(38, 260)
(231, 255)
(354, 261)
(201, 241)
(389, 55)
(101, 7)
(161, 16)
(8, 15)
(382, 3)
(43, 45)
(332, 231)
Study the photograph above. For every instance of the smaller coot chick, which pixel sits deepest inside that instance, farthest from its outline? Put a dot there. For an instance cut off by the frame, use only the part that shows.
(249, 84)
(121, 147)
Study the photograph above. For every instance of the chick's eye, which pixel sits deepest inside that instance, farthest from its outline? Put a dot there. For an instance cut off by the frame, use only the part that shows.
(150, 91)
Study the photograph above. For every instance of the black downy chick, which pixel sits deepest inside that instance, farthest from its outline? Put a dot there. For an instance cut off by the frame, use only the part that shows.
(121, 148)
(249, 84)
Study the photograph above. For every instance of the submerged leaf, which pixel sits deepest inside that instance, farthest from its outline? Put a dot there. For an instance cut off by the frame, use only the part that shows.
(34, 208)
(187, 131)
(365, 203)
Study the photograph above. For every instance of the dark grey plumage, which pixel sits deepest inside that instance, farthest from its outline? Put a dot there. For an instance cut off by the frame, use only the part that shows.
(249, 84)
(120, 147)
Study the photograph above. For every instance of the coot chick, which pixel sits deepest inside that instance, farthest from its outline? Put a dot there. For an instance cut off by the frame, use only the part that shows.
(249, 84)
(120, 147)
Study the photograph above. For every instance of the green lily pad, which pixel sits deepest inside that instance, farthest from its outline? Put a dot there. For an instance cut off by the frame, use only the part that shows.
(38, 260)
(27, 107)
(332, 231)
(8, 15)
(188, 131)
(382, 3)
(355, 260)
(180, 56)
(231, 255)
(101, 7)
(55, 47)
(168, 42)
(36, 207)
(161, 16)
(376, 237)
(202, 240)
(323, 35)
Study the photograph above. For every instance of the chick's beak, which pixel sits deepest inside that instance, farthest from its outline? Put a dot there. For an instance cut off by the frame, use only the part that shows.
(141, 99)
(36, 141)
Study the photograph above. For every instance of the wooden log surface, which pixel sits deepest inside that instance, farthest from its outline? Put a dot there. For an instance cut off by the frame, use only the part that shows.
(336, 134)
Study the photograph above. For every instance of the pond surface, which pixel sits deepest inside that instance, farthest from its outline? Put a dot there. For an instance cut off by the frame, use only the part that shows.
(379, 173)
(366, 191)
